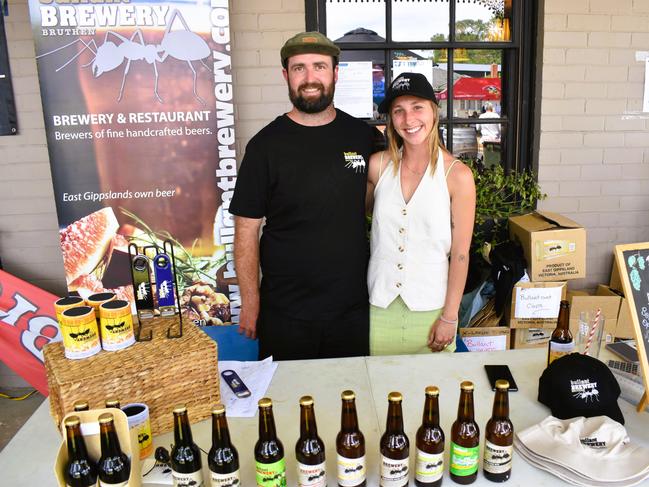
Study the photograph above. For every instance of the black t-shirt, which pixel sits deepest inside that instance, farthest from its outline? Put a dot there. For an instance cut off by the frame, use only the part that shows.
(310, 184)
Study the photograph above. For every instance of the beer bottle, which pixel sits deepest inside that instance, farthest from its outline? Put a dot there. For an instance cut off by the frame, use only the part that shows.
(561, 342)
(270, 464)
(429, 467)
(112, 402)
(465, 439)
(350, 445)
(114, 466)
(395, 447)
(185, 455)
(499, 437)
(80, 470)
(81, 405)
(222, 458)
(309, 449)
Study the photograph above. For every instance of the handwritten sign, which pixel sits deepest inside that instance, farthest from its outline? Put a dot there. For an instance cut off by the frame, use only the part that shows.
(533, 302)
(633, 262)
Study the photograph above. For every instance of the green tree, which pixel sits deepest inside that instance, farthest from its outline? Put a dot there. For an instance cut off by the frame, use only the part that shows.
(469, 30)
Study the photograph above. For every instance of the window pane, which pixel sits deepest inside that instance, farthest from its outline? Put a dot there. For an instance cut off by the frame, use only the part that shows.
(477, 81)
(483, 20)
(423, 21)
(471, 143)
(351, 21)
(378, 73)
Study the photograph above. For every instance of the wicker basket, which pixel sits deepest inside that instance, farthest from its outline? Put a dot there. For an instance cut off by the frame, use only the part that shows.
(160, 373)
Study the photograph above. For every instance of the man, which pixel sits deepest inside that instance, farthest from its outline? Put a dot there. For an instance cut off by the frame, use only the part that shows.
(305, 173)
(490, 132)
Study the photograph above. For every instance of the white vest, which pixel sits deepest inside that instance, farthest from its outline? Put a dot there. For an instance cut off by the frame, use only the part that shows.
(410, 242)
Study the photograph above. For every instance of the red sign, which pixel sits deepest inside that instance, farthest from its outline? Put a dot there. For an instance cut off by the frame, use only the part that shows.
(27, 324)
(474, 89)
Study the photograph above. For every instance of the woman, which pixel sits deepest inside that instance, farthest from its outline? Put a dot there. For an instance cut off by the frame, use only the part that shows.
(424, 208)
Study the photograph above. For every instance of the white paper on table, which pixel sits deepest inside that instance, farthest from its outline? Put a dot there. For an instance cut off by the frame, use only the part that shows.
(354, 89)
(645, 103)
(486, 343)
(537, 302)
(256, 376)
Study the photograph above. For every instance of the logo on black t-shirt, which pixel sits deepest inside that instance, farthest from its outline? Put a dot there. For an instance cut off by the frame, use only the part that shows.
(355, 161)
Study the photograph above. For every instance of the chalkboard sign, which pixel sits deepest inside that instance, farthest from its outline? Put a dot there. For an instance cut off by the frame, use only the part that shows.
(633, 262)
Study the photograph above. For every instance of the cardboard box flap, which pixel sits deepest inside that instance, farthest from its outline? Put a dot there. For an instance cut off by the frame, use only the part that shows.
(557, 220)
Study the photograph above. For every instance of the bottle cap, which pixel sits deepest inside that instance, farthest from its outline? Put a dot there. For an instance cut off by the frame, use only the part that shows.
(265, 402)
(106, 418)
(218, 409)
(395, 397)
(72, 421)
(348, 395)
(432, 391)
(467, 385)
(180, 408)
(112, 402)
(306, 401)
(80, 405)
(502, 384)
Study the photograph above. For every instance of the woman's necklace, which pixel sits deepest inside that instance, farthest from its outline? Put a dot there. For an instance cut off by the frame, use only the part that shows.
(403, 162)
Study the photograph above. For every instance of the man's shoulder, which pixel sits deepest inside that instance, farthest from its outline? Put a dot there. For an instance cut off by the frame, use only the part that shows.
(349, 120)
(269, 130)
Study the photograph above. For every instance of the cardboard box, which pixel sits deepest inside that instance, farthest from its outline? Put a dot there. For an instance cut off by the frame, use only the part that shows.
(554, 246)
(535, 304)
(624, 324)
(485, 339)
(610, 306)
(530, 337)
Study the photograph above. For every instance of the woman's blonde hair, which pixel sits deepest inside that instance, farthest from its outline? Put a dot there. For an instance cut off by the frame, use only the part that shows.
(395, 142)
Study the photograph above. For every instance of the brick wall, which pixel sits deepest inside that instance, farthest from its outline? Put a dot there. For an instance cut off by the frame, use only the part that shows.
(594, 150)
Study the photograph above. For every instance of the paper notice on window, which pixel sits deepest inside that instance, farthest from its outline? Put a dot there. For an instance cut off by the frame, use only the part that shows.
(645, 103)
(354, 89)
(422, 66)
(537, 302)
(485, 343)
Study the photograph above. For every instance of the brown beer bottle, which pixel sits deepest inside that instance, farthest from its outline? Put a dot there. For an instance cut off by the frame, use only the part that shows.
(223, 458)
(114, 466)
(350, 445)
(465, 439)
(499, 437)
(561, 342)
(395, 447)
(80, 470)
(309, 449)
(185, 456)
(270, 464)
(112, 402)
(81, 405)
(429, 466)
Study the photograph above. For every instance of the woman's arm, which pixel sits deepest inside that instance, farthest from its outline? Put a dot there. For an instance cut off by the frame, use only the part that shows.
(373, 178)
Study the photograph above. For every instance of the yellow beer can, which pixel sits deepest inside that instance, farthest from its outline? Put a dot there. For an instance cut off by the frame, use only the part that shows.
(60, 305)
(116, 325)
(80, 333)
(97, 299)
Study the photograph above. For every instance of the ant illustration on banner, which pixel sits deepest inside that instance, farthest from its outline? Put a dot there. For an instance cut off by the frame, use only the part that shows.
(183, 45)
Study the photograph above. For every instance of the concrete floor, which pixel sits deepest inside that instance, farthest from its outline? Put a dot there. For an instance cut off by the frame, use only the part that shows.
(13, 414)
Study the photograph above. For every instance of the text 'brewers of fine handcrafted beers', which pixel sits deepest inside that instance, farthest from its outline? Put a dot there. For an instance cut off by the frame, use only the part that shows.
(114, 466)
(429, 467)
(499, 437)
(80, 470)
(561, 341)
(270, 464)
(395, 447)
(309, 449)
(185, 455)
(223, 458)
(350, 445)
(465, 439)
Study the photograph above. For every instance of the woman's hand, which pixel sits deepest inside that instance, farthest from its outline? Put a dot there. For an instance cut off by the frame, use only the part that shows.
(441, 335)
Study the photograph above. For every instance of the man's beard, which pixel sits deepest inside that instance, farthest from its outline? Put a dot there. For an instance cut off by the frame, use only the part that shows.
(312, 105)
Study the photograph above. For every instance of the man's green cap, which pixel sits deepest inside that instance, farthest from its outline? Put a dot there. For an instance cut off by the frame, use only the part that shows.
(308, 43)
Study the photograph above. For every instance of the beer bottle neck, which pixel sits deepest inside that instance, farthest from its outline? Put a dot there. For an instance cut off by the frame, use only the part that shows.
(563, 322)
(220, 432)
(501, 404)
(348, 417)
(76, 445)
(109, 440)
(431, 412)
(394, 422)
(465, 408)
(182, 431)
(308, 428)
(266, 424)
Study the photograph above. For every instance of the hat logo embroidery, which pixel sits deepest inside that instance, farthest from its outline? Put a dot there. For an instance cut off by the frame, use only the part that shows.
(354, 161)
(592, 442)
(401, 84)
(584, 389)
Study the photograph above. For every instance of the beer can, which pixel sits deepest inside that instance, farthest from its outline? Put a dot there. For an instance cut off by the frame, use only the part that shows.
(97, 299)
(60, 305)
(138, 419)
(80, 333)
(116, 324)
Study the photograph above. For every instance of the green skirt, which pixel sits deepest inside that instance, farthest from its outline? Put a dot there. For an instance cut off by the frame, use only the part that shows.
(396, 330)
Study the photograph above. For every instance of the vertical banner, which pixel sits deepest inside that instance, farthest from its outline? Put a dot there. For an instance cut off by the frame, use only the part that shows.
(137, 98)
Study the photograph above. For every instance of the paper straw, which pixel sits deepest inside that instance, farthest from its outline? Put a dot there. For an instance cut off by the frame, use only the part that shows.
(592, 330)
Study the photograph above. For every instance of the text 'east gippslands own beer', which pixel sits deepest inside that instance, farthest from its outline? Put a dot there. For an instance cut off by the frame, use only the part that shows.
(429, 466)
(223, 458)
(350, 445)
(465, 439)
(499, 437)
(185, 455)
(309, 449)
(270, 464)
(395, 447)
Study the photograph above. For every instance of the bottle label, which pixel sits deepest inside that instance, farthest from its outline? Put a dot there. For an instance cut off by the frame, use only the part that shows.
(429, 466)
(106, 484)
(311, 475)
(497, 459)
(194, 479)
(351, 471)
(394, 473)
(464, 461)
(271, 474)
(559, 350)
(225, 479)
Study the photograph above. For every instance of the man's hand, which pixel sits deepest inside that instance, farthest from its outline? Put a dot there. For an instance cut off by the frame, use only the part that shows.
(248, 319)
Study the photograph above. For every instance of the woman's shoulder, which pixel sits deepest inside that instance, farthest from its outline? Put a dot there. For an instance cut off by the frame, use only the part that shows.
(378, 162)
(455, 169)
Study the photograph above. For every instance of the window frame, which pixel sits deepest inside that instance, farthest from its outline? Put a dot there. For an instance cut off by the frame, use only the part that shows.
(519, 79)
